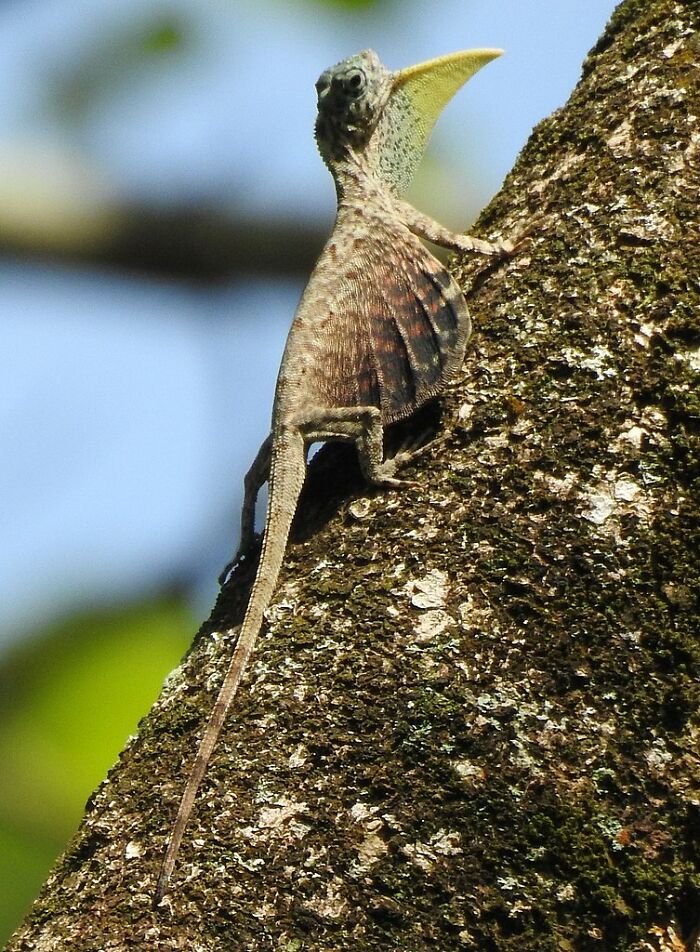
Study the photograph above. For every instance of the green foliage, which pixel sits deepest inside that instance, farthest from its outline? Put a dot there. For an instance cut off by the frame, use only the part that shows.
(68, 703)
(163, 36)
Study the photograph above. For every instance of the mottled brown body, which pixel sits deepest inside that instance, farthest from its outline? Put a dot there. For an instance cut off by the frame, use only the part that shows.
(381, 327)
(381, 324)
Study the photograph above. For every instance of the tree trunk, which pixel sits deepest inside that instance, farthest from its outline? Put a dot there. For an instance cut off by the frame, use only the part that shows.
(472, 719)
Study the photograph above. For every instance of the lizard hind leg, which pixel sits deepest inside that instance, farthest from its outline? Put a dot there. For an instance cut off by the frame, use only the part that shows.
(363, 426)
(254, 479)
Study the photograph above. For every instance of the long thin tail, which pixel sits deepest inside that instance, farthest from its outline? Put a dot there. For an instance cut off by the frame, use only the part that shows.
(286, 480)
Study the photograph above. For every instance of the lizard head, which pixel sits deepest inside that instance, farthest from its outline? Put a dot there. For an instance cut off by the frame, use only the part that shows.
(350, 99)
(384, 119)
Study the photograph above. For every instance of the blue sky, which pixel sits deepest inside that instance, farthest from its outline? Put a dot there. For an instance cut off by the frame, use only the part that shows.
(130, 409)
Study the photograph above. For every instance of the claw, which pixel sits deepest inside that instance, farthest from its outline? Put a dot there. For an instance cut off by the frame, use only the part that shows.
(512, 246)
(413, 453)
(523, 237)
(391, 482)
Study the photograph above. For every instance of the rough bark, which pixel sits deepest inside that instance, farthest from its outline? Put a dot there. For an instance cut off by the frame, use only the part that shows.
(472, 721)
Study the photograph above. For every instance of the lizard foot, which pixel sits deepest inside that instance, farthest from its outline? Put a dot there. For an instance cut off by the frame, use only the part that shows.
(241, 555)
(390, 482)
(511, 246)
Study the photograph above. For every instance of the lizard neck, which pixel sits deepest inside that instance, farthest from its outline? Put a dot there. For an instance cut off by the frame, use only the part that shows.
(355, 180)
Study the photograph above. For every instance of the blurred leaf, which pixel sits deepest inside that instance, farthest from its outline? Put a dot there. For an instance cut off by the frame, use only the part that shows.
(68, 702)
(164, 37)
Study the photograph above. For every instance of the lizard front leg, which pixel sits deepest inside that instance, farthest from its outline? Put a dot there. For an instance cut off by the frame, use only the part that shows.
(363, 426)
(425, 227)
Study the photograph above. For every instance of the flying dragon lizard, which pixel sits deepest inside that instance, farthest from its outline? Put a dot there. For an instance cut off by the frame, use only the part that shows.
(380, 329)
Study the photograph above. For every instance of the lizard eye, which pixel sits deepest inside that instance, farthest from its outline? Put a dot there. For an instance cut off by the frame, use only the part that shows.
(322, 85)
(355, 82)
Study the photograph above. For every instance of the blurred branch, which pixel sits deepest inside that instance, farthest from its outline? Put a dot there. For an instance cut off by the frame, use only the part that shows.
(202, 245)
(189, 244)
(56, 205)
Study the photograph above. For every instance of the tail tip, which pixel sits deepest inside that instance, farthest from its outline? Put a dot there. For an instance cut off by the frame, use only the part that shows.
(161, 889)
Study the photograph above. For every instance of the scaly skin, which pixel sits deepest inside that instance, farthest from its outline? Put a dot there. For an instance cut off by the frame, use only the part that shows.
(381, 327)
